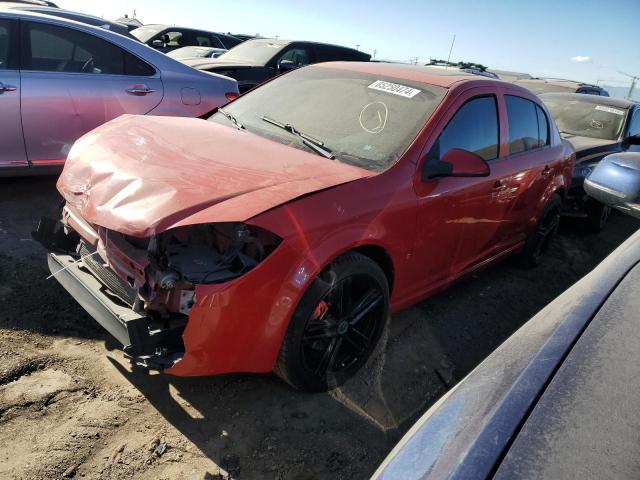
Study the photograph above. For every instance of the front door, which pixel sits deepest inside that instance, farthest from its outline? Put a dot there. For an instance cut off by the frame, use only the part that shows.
(460, 217)
(74, 81)
(12, 152)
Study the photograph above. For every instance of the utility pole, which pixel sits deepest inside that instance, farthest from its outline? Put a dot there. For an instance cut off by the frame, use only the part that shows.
(451, 49)
(375, 52)
(634, 79)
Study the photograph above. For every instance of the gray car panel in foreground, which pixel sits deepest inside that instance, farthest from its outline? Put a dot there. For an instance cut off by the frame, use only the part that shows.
(467, 433)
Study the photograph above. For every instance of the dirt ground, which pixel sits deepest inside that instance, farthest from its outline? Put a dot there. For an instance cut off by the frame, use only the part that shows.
(70, 405)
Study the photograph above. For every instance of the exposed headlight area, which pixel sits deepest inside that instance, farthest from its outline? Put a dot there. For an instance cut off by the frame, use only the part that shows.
(210, 253)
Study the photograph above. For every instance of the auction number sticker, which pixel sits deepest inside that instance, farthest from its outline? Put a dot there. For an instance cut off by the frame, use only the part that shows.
(609, 110)
(394, 88)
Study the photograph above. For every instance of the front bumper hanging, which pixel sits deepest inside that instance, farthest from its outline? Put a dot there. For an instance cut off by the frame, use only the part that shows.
(146, 346)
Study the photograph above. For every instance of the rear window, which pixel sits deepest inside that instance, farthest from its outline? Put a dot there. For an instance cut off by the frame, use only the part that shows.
(144, 34)
(365, 120)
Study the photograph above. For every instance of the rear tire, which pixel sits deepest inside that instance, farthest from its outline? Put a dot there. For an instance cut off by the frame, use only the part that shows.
(597, 215)
(336, 326)
(543, 234)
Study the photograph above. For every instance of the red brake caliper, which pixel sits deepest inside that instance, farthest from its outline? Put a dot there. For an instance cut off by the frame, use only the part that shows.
(320, 311)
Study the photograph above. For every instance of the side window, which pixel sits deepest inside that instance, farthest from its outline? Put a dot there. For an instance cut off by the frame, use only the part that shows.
(543, 127)
(175, 39)
(298, 55)
(328, 54)
(229, 41)
(524, 133)
(216, 42)
(634, 126)
(60, 49)
(473, 128)
(5, 32)
(135, 67)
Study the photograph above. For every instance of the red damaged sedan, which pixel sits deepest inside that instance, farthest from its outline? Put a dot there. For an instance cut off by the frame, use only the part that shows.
(279, 234)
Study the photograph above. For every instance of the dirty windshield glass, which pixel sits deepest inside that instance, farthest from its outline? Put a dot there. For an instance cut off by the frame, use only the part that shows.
(253, 51)
(587, 119)
(364, 120)
(145, 33)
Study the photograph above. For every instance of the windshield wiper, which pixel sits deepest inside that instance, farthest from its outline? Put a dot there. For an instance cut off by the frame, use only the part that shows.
(313, 143)
(233, 119)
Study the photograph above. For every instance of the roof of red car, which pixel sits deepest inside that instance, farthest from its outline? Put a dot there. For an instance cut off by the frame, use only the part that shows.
(433, 76)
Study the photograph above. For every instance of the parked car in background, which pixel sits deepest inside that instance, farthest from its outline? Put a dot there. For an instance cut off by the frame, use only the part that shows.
(131, 23)
(243, 36)
(166, 38)
(72, 77)
(558, 85)
(278, 234)
(509, 76)
(256, 61)
(595, 126)
(467, 67)
(195, 53)
(557, 400)
(67, 14)
(615, 181)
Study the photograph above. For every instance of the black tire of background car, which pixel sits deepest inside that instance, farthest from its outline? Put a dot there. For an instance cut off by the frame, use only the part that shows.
(543, 234)
(319, 313)
(597, 215)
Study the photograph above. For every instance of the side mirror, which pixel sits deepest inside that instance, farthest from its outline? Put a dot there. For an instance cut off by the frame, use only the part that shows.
(615, 181)
(286, 65)
(457, 163)
(634, 140)
(157, 43)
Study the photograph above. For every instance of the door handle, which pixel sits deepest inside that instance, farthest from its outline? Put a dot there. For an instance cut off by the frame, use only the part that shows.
(139, 90)
(7, 88)
(498, 185)
(546, 171)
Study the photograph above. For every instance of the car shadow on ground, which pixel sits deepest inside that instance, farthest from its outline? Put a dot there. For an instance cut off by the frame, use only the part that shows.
(426, 350)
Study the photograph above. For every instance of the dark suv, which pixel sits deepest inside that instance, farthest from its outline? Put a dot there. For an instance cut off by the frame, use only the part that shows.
(255, 61)
(166, 38)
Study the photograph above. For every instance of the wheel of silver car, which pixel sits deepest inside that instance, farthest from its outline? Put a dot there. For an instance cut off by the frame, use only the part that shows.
(546, 229)
(336, 326)
(597, 216)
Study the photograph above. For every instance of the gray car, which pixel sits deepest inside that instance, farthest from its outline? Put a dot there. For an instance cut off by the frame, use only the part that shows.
(60, 79)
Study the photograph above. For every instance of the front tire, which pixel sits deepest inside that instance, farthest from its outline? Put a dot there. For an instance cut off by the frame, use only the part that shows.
(543, 234)
(336, 326)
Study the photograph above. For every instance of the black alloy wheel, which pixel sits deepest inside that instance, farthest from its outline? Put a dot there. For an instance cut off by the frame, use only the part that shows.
(336, 326)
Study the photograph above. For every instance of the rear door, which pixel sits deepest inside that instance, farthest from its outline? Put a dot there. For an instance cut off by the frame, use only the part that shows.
(532, 164)
(72, 82)
(12, 152)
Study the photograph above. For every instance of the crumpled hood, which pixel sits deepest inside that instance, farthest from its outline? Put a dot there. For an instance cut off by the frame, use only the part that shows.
(588, 147)
(141, 175)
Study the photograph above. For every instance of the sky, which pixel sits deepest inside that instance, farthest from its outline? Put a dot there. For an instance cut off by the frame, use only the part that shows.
(590, 41)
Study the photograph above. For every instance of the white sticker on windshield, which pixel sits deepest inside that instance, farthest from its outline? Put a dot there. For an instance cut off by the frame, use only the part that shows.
(609, 109)
(394, 88)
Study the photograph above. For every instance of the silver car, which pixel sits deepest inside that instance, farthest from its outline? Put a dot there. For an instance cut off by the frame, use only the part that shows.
(59, 79)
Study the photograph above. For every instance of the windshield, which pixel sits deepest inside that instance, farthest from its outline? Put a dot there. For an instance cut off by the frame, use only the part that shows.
(253, 51)
(145, 33)
(364, 120)
(587, 119)
(194, 52)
